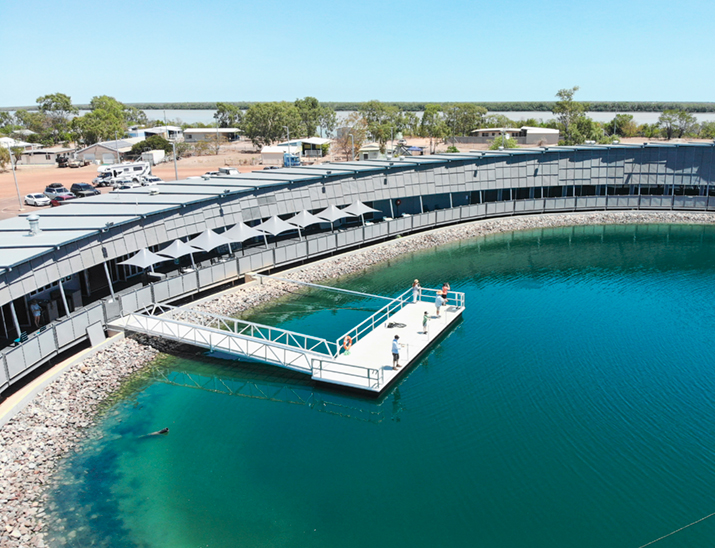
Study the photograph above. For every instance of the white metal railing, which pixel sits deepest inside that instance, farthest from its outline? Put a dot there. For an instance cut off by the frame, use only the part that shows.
(222, 324)
(454, 298)
(368, 325)
(365, 377)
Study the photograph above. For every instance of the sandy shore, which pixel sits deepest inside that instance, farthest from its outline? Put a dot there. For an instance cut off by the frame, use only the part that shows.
(52, 424)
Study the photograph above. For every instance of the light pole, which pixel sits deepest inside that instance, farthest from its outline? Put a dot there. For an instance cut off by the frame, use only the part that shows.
(288, 132)
(352, 147)
(176, 171)
(392, 145)
(14, 176)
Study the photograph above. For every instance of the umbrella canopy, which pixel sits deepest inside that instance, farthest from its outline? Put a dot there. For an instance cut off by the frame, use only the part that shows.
(208, 240)
(358, 208)
(332, 214)
(274, 226)
(241, 232)
(304, 219)
(178, 249)
(144, 258)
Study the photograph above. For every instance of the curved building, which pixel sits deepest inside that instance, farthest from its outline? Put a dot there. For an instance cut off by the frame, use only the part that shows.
(69, 262)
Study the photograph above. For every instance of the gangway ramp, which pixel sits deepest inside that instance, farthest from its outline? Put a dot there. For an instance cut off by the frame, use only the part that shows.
(248, 340)
(365, 365)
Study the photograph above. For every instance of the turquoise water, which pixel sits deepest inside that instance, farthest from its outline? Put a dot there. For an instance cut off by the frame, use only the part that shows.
(573, 406)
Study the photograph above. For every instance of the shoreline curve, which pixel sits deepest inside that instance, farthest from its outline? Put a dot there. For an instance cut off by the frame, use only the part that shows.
(55, 410)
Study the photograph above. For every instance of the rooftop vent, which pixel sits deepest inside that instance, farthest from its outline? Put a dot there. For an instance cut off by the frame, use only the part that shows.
(34, 221)
(153, 191)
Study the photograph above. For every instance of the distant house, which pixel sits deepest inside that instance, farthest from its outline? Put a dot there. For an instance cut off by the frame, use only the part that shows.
(171, 133)
(295, 146)
(525, 135)
(371, 151)
(44, 156)
(9, 142)
(194, 135)
(108, 152)
(313, 147)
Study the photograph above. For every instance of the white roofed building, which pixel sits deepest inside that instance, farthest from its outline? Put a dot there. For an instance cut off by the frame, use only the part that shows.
(172, 133)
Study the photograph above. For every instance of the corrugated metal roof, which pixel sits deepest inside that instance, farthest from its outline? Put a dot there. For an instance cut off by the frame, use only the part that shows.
(127, 142)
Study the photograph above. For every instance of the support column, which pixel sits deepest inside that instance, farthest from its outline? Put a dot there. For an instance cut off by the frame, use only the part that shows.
(14, 318)
(109, 279)
(64, 298)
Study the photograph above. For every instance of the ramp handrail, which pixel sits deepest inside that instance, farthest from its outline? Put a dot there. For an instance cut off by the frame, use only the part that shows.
(375, 377)
(366, 326)
(243, 328)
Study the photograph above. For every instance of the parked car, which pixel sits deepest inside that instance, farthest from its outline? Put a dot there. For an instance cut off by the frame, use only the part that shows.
(117, 183)
(83, 189)
(55, 189)
(78, 163)
(127, 186)
(150, 180)
(61, 199)
(37, 200)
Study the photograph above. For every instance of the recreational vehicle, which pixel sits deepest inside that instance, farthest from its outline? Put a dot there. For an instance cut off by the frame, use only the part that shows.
(134, 171)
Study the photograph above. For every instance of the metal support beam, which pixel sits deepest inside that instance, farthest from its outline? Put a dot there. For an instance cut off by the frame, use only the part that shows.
(109, 280)
(329, 288)
(14, 318)
(64, 298)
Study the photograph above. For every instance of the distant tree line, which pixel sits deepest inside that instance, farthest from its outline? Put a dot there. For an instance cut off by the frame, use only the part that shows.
(499, 106)
(56, 120)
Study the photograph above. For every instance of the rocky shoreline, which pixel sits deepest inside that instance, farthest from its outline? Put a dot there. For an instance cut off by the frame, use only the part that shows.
(50, 426)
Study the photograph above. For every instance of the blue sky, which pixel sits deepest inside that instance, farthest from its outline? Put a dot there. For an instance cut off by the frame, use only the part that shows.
(453, 50)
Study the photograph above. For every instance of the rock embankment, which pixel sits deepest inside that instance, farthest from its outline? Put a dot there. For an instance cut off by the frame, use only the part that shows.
(51, 425)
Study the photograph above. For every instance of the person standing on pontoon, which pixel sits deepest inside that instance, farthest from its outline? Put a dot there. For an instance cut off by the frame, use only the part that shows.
(396, 352)
(416, 289)
(438, 302)
(445, 290)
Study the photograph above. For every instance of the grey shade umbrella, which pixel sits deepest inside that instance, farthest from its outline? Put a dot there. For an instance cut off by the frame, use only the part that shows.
(144, 258)
(274, 226)
(179, 249)
(358, 208)
(332, 214)
(208, 240)
(303, 219)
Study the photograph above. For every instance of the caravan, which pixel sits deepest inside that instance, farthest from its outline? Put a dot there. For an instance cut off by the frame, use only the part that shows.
(132, 171)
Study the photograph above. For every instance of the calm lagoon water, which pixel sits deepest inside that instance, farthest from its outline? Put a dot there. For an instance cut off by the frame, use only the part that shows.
(572, 406)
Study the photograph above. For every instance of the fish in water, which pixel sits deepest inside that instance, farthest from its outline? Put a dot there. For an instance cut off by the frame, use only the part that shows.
(159, 432)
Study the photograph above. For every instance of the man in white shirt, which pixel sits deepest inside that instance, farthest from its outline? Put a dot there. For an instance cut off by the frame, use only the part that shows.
(396, 352)
(438, 302)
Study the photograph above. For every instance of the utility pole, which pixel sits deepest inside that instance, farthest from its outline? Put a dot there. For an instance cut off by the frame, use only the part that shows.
(14, 176)
(352, 147)
(176, 171)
